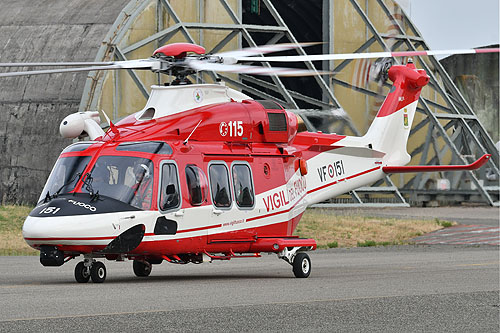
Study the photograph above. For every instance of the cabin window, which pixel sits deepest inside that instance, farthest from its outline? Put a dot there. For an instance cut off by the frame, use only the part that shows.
(243, 188)
(219, 185)
(169, 197)
(197, 185)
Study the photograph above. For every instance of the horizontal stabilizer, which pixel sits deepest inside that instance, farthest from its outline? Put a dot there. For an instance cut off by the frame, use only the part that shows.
(433, 168)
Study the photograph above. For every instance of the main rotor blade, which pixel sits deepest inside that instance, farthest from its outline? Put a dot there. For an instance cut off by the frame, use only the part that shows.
(128, 64)
(60, 70)
(319, 57)
(255, 70)
(262, 49)
(54, 64)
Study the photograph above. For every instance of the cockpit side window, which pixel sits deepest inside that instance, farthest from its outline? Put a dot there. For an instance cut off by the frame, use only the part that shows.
(124, 178)
(65, 175)
(197, 185)
(219, 185)
(169, 190)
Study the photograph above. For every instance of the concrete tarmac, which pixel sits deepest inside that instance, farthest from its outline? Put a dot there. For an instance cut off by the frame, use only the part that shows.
(402, 288)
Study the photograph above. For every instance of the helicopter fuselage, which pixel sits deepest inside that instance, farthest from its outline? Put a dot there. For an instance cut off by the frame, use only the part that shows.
(248, 139)
(215, 175)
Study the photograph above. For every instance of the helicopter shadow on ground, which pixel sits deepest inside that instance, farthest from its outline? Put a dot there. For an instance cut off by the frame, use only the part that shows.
(200, 277)
(170, 278)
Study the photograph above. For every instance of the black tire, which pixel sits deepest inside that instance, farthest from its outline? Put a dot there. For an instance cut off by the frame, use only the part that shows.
(82, 273)
(301, 265)
(98, 272)
(142, 268)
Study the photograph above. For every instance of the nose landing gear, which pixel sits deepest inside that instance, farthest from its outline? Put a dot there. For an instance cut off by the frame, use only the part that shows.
(82, 273)
(98, 272)
(90, 269)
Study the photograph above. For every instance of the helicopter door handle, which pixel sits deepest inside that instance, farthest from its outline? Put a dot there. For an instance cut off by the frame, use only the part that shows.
(179, 213)
(217, 211)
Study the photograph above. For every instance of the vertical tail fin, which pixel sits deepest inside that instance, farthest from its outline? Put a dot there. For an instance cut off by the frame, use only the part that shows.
(391, 127)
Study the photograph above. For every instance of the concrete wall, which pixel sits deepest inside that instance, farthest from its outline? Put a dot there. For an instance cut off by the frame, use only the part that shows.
(31, 108)
(477, 78)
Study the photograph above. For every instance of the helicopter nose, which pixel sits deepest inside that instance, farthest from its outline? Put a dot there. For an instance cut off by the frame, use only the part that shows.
(35, 233)
(65, 230)
(34, 228)
(85, 233)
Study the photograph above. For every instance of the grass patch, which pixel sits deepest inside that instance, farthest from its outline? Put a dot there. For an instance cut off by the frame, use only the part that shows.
(330, 230)
(444, 224)
(11, 237)
(367, 243)
(332, 244)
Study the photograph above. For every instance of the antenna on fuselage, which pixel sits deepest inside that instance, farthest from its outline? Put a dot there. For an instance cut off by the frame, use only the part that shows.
(111, 125)
(194, 129)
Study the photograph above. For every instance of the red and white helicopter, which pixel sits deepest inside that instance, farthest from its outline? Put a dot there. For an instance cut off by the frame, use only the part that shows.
(204, 172)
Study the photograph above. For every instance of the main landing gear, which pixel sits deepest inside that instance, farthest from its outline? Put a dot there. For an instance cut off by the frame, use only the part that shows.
(90, 269)
(300, 261)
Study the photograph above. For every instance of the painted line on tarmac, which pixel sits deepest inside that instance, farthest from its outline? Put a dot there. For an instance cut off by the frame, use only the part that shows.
(462, 235)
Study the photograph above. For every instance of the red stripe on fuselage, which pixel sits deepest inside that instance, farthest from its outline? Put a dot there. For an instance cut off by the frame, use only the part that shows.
(113, 237)
(70, 238)
(200, 228)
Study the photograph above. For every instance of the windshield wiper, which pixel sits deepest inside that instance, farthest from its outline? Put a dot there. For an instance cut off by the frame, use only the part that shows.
(49, 197)
(87, 181)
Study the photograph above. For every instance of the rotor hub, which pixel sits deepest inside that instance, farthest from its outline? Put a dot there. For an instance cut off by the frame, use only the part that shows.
(179, 50)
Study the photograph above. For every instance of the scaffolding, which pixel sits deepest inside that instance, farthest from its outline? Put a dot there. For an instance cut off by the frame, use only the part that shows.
(445, 130)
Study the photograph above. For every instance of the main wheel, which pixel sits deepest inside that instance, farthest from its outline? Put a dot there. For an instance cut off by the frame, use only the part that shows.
(301, 265)
(82, 273)
(142, 268)
(98, 272)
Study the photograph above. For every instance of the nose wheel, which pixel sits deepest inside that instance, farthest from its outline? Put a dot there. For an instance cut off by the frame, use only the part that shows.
(86, 270)
(82, 273)
(98, 272)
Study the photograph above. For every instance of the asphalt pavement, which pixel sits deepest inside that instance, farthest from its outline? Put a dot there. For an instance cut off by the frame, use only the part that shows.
(402, 288)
